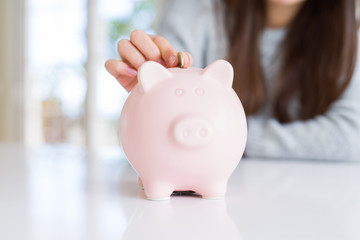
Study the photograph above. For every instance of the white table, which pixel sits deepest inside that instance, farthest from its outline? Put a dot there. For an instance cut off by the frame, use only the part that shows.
(68, 193)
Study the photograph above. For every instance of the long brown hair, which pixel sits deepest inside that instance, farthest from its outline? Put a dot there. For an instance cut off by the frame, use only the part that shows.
(318, 55)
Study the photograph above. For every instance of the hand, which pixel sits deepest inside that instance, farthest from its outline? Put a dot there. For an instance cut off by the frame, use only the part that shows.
(142, 47)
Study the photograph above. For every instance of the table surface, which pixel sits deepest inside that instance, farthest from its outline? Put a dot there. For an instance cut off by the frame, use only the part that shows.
(65, 192)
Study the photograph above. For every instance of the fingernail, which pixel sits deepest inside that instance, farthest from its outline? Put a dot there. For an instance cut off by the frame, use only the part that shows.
(172, 60)
(131, 71)
(161, 61)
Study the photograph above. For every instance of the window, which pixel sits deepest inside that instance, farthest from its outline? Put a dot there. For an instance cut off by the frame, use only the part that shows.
(70, 98)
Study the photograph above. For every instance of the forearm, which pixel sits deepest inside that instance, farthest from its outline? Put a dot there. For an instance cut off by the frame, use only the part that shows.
(334, 137)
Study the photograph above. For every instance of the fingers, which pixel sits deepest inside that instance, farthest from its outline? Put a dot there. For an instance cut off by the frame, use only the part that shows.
(140, 48)
(188, 60)
(129, 53)
(125, 74)
(167, 52)
(119, 68)
(145, 45)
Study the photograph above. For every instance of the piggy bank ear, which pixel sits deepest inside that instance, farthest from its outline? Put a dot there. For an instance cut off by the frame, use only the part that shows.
(221, 71)
(151, 73)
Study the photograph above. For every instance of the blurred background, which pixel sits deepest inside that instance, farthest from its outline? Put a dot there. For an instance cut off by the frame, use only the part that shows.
(54, 89)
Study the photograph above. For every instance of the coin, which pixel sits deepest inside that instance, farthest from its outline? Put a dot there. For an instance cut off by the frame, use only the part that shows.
(181, 60)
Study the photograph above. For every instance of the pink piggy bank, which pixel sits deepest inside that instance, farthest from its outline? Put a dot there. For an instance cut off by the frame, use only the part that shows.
(183, 129)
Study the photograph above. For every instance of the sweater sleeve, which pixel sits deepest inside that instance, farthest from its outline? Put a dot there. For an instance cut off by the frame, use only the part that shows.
(334, 136)
(185, 23)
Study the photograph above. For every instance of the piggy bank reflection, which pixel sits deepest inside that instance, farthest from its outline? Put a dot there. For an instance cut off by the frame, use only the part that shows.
(183, 129)
(188, 218)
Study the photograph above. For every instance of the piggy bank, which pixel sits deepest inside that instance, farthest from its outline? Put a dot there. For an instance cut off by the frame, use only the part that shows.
(183, 129)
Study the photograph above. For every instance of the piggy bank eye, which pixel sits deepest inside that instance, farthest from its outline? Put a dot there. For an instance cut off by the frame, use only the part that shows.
(199, 91)
(179, 92)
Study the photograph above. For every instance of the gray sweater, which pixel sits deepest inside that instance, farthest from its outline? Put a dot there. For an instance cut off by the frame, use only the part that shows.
(193, 26)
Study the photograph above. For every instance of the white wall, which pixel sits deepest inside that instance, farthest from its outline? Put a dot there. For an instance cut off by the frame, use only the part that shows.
(11, 70)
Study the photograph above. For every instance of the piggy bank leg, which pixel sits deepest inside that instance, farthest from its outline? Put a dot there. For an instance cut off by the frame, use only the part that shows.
(157, 191)
(214, 190)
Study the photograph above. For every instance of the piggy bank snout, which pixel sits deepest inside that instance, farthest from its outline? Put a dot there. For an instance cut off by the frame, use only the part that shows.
(193, 131)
